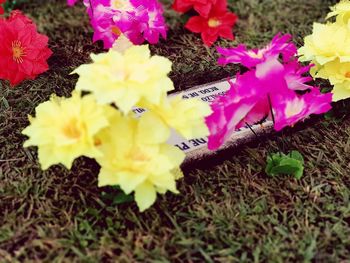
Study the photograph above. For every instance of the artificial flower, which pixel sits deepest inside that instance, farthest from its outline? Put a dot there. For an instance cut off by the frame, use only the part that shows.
(326, 43)
(103, 25)
(65, 128)
(24, 52)
(138, 20)
(148, 22)
(280, 44)
(335, 71)
(218, 23)
(338, 75)
(186, 116)
(203, 7)
(328, 47)
(341, 11)
(136, 157)
(268, 84)
(247, 101)
(125, 79)
(290, 108)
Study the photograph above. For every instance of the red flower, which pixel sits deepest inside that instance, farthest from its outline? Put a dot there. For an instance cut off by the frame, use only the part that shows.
(203, 7)
(23, 51)
(1, 8)
(219, 23)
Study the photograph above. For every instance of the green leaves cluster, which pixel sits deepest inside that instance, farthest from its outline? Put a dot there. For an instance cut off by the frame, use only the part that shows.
(290, 164)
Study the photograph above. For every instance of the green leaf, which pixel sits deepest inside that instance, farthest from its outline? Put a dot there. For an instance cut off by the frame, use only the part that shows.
(291, 164)
(116, 196)
(297, 155)
(122, 198)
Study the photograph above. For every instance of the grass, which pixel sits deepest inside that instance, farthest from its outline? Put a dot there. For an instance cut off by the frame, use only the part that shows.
(229, 211)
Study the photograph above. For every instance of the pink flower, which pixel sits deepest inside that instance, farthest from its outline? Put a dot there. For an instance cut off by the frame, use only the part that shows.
(290, 108)
(138, 20)
(228, 115)
(250, 58)
(145, 22)
(268, 84)
(294, 76)
(103, 25)
(247, 101)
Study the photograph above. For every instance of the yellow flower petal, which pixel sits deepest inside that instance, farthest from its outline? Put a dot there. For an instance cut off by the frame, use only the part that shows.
(145, 196)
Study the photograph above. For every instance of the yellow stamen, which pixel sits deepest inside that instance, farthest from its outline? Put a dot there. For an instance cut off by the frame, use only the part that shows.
(347, 74)
(213, 22)
(116, 31)
(97, 142)
(71, 130)
(18, 51)
(137, 154)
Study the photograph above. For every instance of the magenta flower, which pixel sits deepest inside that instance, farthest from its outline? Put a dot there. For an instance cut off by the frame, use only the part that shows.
(290, 108)
(246, 101)
(250, 58)
(229, 115)
(138, 20)
(294, 75)
(269, 83)
(104, 27)
(150, 22)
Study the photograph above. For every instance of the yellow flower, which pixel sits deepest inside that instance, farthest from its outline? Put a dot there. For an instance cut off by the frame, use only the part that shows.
(125, 79)
(341, 11)
(338, 75)
(341, 91)
(335, 71)
(137, 158)
(186, 116)
(327, 43)
(64, 129)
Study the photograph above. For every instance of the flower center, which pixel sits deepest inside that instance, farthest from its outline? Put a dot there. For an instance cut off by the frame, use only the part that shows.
(18, 51)
(138, 155)
(294, 108)
(122, 5)
(213, 22)
(71, 130)
(97, 142)
(347, 74)
(258, 55)
(116, 31)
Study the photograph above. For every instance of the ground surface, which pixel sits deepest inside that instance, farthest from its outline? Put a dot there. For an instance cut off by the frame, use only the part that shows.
(230, 212)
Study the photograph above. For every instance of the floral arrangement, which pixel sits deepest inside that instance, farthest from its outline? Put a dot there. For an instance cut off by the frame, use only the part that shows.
(132, 152)
(213, 19)
(328, 48)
